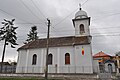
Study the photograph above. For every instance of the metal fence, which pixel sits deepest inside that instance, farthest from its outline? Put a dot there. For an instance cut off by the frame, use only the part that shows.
(51, 69)
(8, 69)
(60, 69)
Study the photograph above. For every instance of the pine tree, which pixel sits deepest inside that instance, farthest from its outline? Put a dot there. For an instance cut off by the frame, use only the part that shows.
(8, 34)
(32, 34)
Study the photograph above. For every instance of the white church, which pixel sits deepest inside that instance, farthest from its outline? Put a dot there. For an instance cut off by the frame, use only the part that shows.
(70, 54)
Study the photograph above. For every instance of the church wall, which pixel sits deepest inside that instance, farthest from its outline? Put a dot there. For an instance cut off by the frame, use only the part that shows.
(95, 66)
(54, 52)
(34, 68)
(21, 61)
(63, 68)
(78, 63)
(25, 63)
(84, 63)
(58, 65)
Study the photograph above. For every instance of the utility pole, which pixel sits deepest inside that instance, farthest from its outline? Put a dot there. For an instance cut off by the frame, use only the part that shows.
(3, 55)
(47, 50)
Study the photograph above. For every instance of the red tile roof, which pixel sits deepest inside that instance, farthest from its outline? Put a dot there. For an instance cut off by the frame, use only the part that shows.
(57, 42)
(101, 54)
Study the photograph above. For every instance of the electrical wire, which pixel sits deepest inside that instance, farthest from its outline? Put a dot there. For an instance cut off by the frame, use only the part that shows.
(105, 27)
(13, 16)
(30, 10)
(28, 23)
(84, 2)
(106, 16)
(38, 9)
(32, 13)
(69, 14)
(62, 20)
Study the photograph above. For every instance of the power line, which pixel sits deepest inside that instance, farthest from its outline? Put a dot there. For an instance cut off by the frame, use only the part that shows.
(64, 18)
(78, 30)
(107, 27)
(101, 35)
(85, 2)
(69, 15)
(17, 17)
(30, 10)
(13, 15)
(28, 23)
(106, 16)
(64, 31)
(38, 9)
(105, 35)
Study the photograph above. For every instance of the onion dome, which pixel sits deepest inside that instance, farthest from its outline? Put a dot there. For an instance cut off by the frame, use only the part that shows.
(80, 14)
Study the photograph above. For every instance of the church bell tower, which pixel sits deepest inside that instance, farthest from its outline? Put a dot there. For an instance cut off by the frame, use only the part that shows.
(81, 23)
(83, 51)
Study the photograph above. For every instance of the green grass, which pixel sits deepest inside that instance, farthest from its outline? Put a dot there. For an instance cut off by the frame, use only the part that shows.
(18, 79)
(22, 78)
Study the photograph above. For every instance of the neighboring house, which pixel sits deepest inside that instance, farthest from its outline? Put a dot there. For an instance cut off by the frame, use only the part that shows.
(104, 62)
(110, 66)
(70, 54)
(8, 68)
(118, 61)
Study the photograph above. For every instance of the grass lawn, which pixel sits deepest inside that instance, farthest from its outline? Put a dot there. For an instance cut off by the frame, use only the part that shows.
(16, 78)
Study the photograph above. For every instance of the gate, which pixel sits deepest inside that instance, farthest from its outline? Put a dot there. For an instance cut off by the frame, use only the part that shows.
(105, 76)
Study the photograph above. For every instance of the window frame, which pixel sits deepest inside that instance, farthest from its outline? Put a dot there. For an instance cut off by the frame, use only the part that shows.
(50, 59)
(82, 28)
(34, 59)
(67, 59)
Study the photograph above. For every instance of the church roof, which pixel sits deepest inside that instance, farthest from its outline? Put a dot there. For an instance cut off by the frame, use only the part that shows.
(101, 54)
(57, 42)
(81, 14)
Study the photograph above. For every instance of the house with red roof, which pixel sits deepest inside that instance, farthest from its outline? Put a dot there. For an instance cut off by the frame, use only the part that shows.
(117, 58)
(101, 54)
(105, 62)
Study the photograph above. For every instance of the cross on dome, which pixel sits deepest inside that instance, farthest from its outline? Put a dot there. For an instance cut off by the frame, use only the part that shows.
(80, 6)
(80, 14)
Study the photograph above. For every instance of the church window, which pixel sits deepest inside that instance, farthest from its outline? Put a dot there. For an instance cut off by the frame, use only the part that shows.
(34, 60)
(50, 59)
(67, 58)
(82, 30)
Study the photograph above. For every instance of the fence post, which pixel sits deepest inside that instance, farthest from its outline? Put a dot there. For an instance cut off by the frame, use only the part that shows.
(33, 70)
(83, 68)
(27, 69)
(22, 69)
(55, 68)
(5, 69)
(75, 69)
(68, 69)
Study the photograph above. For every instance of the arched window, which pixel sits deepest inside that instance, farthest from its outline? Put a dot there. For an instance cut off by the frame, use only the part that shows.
(34, 59)
(67, 58)
(50, 59)
(110, 68)
(82, 30)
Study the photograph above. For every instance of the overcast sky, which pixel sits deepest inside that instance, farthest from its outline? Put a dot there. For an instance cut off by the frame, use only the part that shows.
(105, 17)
